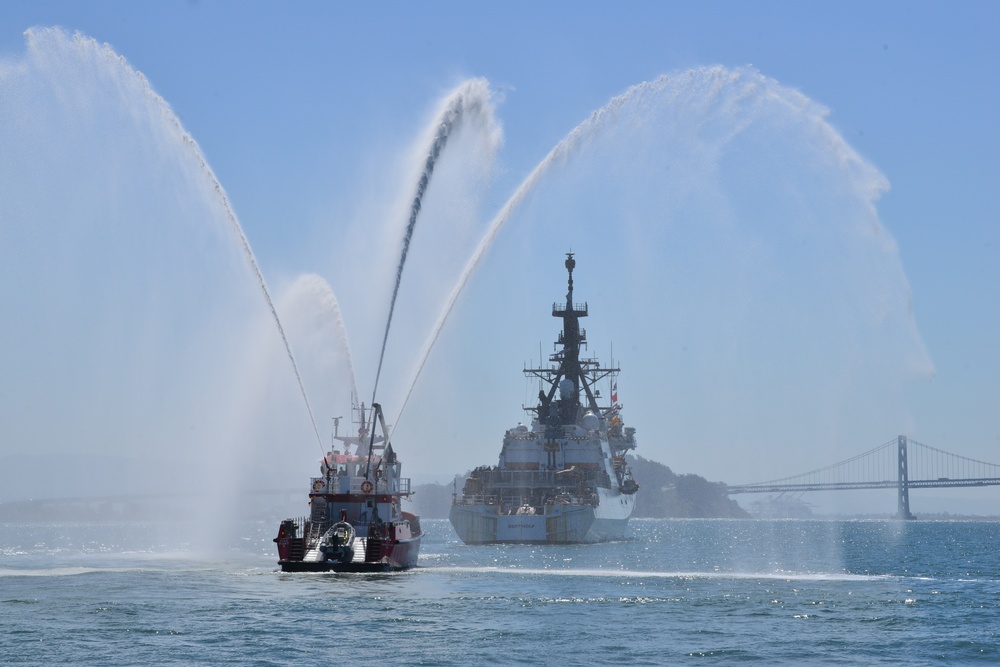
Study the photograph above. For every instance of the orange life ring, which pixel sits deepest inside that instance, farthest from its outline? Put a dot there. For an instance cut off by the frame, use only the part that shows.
(317, 486)
(366, 486)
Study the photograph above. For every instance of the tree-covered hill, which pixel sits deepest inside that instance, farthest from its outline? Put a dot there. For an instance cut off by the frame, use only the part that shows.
(662, 495)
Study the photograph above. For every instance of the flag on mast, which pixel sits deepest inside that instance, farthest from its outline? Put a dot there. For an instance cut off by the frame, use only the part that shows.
(614, 393)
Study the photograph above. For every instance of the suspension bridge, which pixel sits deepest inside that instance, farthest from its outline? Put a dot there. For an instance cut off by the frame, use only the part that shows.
(901, 463)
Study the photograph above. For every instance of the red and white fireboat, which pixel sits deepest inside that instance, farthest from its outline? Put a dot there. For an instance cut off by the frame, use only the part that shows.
(356, 522)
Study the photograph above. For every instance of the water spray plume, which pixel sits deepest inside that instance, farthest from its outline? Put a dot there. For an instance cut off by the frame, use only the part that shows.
(471, 97)
(577, 137)
(191, 145)
(237, 230)
(252, 262)
(323, 294)
(711, 120)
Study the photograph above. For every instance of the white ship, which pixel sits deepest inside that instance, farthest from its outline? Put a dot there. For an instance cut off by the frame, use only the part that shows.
(564, 479)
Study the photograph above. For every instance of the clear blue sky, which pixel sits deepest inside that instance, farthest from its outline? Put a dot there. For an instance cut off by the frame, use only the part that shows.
(303, 109)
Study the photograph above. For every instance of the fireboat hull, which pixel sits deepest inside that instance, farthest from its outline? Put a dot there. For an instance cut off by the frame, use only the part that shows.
(403, 556)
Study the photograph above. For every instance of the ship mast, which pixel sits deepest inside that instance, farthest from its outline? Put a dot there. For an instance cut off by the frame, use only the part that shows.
(571, 370)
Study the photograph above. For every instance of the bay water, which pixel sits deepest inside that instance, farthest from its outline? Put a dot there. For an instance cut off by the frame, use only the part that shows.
(674, 592)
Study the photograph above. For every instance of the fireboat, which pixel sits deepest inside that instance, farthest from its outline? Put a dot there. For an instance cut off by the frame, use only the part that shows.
(356, 522)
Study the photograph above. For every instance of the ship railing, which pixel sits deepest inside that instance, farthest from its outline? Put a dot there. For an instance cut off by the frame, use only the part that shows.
(477, 500)
(379, 485)
(559, 309)
(383, 485)
(511, 504)
(316, 530)
(517, 479)
(298, 528)
(622, 444)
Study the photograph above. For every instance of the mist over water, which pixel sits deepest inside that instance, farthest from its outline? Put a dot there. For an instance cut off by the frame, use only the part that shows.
(726, 237)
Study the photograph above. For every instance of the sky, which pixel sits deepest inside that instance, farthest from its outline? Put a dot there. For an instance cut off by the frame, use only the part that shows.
(791, 245)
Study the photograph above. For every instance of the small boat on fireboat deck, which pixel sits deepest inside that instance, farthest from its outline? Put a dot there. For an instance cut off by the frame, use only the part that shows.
(356, 522)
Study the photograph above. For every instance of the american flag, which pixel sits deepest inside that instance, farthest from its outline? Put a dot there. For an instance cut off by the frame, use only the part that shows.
(614, 393)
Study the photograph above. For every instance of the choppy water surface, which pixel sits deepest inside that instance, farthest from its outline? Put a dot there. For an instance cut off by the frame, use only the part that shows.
(782, 592)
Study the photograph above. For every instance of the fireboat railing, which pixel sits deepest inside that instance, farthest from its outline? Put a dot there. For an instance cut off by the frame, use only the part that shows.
(356, 486)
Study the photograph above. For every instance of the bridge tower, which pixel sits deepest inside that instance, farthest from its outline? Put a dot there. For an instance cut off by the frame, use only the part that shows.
(903, 487)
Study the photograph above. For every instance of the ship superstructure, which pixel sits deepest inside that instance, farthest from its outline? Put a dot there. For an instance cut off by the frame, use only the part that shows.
(564, 479)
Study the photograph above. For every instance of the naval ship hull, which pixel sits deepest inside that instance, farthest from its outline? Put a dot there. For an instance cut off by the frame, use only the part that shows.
(559, 524)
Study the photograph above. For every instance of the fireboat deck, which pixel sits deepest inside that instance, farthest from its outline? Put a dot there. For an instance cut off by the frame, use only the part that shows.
(313, 562)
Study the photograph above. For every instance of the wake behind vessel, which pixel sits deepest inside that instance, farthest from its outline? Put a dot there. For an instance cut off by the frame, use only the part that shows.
(564, 479)
(356, 522)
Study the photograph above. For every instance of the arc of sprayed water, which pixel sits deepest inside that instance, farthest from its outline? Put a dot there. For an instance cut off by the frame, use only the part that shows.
(327, 295)
(342, 330)
(235, 226)
(173, 122)
(463, 100)
(579, 135)
(252, 261)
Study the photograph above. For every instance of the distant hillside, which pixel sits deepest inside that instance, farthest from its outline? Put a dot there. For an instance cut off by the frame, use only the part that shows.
(662, 495)
(432, 501)
(666, 495)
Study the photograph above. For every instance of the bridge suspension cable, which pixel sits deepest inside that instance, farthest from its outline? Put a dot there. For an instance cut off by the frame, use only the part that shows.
(928, 462)
(870, 463)
(897, 463)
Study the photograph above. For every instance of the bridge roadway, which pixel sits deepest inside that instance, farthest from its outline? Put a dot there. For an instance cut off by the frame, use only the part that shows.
(939, 483)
